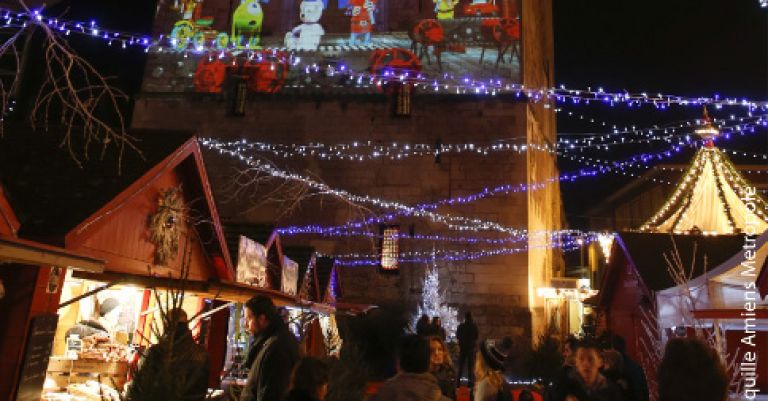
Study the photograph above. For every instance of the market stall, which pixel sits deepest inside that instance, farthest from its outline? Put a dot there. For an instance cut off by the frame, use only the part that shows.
(155, 225)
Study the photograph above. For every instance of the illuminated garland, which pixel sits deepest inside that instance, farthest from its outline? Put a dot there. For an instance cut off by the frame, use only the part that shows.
(447, 84)
(453, 222)
(597, 163)
(13, 19)
(395, 151)
(403, 236)
(486, 192)
(365, 151)
(355, 260)
(648, 133)
(746, 154)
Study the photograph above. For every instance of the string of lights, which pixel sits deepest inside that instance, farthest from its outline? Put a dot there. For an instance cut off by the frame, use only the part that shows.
(415, 237)
(453, 222)
(601, 165)
(665, 137)
(355, 260)
(368, 150)
(650, 132)
(21, 20)
(447, 83)
(761, 156)
(502, 189)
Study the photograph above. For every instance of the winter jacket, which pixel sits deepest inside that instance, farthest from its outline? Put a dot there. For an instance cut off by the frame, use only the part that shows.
(602, 390)
(176, 368)
(446, 380)
(410, 387)
(295, 395)
(467, 335)
(271, 359)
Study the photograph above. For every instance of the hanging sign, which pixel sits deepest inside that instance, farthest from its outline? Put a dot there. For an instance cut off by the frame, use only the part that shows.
(252, 263)
(290, 276)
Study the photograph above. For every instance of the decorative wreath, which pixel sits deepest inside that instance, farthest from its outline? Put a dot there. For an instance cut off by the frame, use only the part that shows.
(164, 225)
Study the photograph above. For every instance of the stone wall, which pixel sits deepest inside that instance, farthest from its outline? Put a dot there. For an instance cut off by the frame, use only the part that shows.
(495, 288)
(499, 290)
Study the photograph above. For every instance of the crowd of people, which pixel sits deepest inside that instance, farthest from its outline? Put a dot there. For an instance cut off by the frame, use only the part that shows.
(592, 370)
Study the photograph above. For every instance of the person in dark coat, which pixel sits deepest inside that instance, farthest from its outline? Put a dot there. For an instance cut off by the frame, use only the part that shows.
(467, 336)
(272, 355)
(176, 368)
(413, 382)
(632, 371)
(422, 325)
(436, 328)
(589, 383)
(567, 373)
(309, 381)
(691, 370)
(441, 367)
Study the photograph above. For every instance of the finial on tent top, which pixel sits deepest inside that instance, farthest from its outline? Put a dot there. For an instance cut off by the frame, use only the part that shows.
(708, 132)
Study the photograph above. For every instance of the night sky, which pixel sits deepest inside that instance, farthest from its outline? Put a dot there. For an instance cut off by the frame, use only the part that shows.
(689, 48)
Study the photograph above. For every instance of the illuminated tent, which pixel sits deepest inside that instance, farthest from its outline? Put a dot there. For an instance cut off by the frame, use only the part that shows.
(712, 197)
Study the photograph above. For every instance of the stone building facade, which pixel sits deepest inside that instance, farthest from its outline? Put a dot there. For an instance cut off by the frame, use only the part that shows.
(499, 290)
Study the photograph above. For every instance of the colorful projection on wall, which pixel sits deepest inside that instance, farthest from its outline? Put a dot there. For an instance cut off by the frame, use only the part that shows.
(435, 37)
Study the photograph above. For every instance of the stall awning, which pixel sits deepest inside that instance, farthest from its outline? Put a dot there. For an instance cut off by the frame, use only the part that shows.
(15, 250)
(223, 290)
(353, 308)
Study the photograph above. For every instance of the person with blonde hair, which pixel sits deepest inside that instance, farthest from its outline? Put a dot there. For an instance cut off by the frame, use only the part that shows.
(441, 367)
(488, 366)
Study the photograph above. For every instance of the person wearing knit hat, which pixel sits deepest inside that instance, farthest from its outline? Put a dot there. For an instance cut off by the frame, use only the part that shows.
(488, 366)
(105, 315)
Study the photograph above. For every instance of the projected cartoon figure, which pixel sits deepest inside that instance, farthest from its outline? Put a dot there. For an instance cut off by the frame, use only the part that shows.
(362, 20)
(444, 8)
(194, 28)
(307, 35)
(246, 24)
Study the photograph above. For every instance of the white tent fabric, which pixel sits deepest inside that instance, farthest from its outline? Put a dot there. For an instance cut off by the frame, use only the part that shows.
(709, 199)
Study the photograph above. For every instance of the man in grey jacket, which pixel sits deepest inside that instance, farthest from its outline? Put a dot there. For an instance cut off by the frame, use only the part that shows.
(273, 354)
(413, 382)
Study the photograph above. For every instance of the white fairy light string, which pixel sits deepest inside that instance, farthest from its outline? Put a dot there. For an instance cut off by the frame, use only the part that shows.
(447, 83)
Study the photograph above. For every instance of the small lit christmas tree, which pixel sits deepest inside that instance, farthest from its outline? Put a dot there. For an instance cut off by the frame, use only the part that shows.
(433, 303)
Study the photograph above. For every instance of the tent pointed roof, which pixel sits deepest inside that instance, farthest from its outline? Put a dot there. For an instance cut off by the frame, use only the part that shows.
(712, 197)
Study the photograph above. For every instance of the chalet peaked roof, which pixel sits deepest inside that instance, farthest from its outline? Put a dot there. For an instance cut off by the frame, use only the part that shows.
(711, 197)
(302, 255)
(52, 196)
(324, 268)
(645, 251)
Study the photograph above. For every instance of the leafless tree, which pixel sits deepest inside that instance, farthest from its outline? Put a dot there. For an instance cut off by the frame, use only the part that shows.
(74, 94)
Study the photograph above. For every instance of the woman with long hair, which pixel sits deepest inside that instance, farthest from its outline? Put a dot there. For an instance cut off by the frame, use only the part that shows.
(441, 367)
(488, 366)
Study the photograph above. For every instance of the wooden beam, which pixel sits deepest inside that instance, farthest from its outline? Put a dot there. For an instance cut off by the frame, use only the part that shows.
(16, 250)
(226, 290)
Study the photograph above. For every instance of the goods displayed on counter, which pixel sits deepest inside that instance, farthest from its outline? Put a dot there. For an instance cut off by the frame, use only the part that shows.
(100, 349)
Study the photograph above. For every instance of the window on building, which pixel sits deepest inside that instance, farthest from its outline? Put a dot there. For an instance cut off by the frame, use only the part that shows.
(390, 248)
